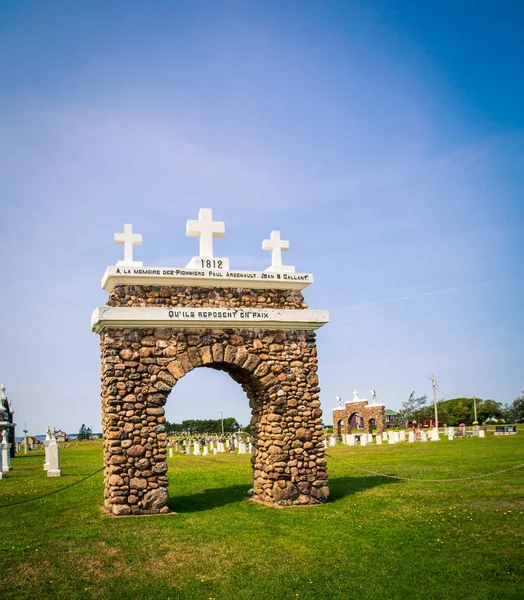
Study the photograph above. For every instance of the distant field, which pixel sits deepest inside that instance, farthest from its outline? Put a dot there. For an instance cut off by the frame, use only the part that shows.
(377, 538)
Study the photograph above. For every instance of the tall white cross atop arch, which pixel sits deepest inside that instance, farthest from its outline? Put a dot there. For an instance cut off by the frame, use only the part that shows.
(276, 245)
(129, 239)
(206, 229)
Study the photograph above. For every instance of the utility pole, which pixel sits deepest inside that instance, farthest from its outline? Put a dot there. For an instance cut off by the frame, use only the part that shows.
(222, 418)
(475, 407)
(435, 436)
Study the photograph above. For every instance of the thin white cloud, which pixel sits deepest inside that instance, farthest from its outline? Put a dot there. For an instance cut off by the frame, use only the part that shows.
(413, 296)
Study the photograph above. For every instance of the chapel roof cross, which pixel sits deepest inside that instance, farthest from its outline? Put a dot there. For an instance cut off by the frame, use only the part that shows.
(276, 245)
(206, 229)
(129, 239)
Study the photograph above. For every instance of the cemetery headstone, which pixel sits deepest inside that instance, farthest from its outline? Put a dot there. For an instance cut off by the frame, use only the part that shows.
(411, 436)
(402, 436)
(378, 439)
(46, 446)
(364, 440)
(53, 456)
(332, 441)
(6, 454)
(482, 433)
(423, 436)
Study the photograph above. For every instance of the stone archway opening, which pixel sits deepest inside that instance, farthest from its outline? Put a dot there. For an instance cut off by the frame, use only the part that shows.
(355, 421)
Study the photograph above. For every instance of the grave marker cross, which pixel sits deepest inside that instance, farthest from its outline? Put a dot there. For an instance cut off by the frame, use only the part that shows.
(276, 245)
(206, 229)
(129, 239)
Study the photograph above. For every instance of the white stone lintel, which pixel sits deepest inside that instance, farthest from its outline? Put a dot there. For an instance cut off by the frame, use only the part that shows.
(197, 277)
(115, 317)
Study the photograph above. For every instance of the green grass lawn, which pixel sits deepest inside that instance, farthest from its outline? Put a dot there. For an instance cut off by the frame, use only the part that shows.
(377, 537)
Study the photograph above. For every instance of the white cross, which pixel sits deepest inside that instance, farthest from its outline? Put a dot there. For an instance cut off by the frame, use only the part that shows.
(206, 229)
(129, 239)
(276, 245)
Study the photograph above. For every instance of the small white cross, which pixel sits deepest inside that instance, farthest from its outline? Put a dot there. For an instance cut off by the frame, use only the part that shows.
(276, 245)
(206, 229)
(129, 239)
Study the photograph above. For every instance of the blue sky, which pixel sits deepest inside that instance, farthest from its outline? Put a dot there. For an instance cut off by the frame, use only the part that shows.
(384, 139)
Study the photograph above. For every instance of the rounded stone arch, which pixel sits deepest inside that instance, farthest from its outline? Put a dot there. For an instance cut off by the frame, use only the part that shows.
(350, 424)
(277, 371)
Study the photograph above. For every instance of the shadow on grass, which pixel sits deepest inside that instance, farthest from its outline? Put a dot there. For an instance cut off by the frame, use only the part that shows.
(340, 488)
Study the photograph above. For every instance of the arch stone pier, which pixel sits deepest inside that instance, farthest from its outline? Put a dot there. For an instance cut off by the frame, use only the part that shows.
(160, 324)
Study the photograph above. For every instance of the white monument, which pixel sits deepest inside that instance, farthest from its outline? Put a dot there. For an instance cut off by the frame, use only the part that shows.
(423, 436)
(205, 450)
(206, 229)
(364, 440)
(53, 456)
(196, 449)
(411, 436)
(435, 436)
(482, 433)
(6, 456)
(378, 439)
(355, 396)
(46, 446)
(276, 246)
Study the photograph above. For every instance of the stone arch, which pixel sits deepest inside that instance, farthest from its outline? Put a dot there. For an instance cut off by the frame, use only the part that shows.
(368, 412)
(277, 370)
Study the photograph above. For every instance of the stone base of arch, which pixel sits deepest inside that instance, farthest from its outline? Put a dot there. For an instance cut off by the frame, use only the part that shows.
(276, 369)
(369, 412)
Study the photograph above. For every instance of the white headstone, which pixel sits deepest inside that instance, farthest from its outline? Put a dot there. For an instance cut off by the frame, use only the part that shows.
(250, 448)
(482, 433)
(221, 447)
(423, 436)
(206, 229)
(435, 436)
(53, 456)
(188, 449)
(170, 452)
(351, 439)
(364, 440)
(402, 436)
(129, 239)
(46, 445)
(205, 451)
(242, 448)
(6, 455)
(1, 467)
(378, 439)
(450, 437)
(276, 246)
(411, 436)
(332, 441)
(196, 449)
(325, 443)
(215, 451)
(396, 437)
(451, 431)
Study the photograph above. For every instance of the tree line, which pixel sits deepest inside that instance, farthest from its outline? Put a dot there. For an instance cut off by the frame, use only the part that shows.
(459, 410)
(198, 426)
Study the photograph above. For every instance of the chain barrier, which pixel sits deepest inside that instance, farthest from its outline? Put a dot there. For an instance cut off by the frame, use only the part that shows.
(53, 492)
(425, 480)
